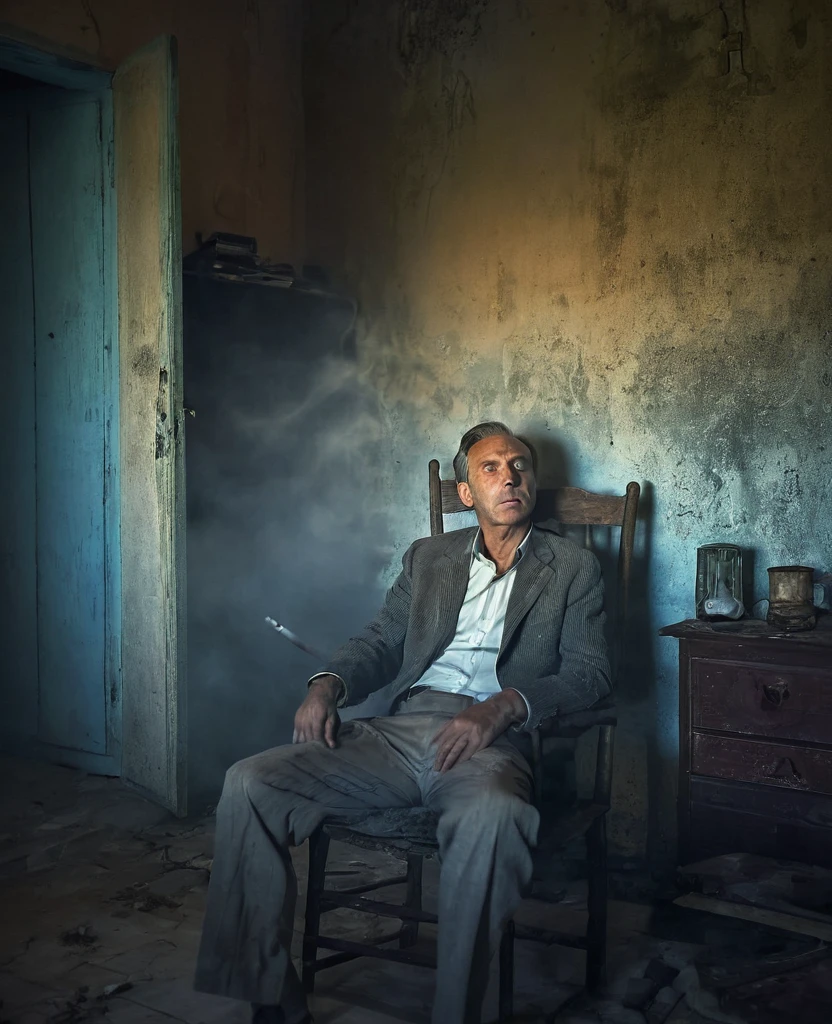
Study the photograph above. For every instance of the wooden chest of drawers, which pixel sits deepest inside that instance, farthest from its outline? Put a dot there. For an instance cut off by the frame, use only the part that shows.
(755, 741)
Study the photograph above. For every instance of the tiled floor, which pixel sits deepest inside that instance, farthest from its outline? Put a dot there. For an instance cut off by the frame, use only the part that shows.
(102, 895)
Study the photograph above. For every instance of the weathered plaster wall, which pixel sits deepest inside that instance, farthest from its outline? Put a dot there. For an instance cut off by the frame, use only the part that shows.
(609, 224)
(240, 105)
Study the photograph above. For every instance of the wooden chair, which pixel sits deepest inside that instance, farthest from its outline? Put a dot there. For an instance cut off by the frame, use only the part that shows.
(410, 834)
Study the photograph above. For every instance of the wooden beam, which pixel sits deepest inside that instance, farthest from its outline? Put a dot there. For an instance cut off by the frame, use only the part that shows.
(757, 915)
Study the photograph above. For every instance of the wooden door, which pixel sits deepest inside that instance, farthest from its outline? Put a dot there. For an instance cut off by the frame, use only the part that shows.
(151, 423)
(60, 527)
(71, 252)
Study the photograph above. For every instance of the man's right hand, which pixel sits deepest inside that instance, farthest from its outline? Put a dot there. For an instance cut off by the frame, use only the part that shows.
(317, 718)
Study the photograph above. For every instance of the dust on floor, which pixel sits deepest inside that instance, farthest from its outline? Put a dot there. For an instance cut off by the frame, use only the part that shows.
(102, 896)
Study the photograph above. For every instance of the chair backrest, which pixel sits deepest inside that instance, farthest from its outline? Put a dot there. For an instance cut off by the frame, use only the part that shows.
(570, 506)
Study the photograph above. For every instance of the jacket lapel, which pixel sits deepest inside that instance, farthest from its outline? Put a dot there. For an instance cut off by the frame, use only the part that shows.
(449, 587)
(533, 574)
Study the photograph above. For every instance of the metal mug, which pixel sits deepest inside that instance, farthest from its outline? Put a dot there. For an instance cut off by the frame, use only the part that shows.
(790, 606)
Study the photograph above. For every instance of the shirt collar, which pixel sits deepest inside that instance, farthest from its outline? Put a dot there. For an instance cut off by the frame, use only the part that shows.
(476, 550)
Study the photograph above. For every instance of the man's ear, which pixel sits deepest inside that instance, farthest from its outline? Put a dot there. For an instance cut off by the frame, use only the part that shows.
(465, 496)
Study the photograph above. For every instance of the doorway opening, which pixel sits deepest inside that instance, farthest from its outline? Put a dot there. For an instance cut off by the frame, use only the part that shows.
(91, 418)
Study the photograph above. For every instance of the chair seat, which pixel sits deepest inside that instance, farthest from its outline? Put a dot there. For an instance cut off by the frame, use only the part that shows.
(398, 830)
(412, 830)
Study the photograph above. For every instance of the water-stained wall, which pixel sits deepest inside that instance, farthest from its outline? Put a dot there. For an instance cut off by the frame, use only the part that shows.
(240, 105)
(609, 224)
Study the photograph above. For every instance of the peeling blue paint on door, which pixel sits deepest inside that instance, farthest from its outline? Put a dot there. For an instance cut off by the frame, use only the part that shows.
(67, 416)
(67, 247)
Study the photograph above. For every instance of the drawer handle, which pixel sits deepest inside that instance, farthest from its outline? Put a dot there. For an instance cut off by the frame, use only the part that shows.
(785, 771)
(776, 693)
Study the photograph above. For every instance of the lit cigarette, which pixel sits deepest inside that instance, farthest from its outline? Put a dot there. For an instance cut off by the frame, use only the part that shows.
(295, 639)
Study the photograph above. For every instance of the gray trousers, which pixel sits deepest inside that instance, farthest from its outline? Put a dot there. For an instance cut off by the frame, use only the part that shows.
(278, 798)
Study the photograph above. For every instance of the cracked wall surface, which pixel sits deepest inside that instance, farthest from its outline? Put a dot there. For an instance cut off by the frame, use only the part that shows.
(608, 224)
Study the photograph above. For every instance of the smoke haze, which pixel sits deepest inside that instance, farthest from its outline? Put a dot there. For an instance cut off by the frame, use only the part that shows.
(283, 458)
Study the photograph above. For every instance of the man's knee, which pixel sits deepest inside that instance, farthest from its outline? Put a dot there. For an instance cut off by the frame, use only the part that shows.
(240, 774)
(491, 811)
(252, 772)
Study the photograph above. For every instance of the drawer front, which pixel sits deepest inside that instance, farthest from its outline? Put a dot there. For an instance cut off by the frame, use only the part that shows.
(730, 817)
(759, 700)
(785, 766)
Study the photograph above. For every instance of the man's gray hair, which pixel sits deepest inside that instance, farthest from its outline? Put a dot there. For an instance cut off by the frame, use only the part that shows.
(478, 433)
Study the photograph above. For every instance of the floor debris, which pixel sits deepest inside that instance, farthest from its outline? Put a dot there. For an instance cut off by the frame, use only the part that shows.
(83, 935)
(102, 913)
(115, 989)
(759, 915)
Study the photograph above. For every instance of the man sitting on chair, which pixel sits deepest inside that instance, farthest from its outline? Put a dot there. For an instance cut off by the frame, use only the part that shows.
(485, 633)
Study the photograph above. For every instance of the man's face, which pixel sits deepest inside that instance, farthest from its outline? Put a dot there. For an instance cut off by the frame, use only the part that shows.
(501, 487)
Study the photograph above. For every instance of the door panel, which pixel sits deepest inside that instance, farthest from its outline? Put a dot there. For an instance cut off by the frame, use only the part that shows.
(151, 423)
(71, 400)
(18, 623)
(60, 632)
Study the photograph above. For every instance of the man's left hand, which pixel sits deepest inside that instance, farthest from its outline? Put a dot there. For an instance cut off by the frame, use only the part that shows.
(477, 727)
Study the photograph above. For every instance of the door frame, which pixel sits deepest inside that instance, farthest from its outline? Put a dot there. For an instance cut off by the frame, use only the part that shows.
(33, 59)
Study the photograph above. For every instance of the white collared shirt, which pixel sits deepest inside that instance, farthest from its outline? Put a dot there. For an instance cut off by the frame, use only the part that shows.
(468, 665)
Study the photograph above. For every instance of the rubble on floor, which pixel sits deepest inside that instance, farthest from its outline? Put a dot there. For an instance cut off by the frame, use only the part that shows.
(103, 895)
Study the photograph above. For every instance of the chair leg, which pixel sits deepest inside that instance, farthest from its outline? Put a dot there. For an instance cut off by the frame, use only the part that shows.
(596, 931)
(413, 900)
(318, 850)
(506, 994)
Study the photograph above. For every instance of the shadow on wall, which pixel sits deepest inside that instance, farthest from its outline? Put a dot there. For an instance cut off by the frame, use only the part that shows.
(635, 678)
(635, 803)
(281, 520)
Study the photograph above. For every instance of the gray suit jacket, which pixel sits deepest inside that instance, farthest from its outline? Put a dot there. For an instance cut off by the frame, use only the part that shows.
(553, 649)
